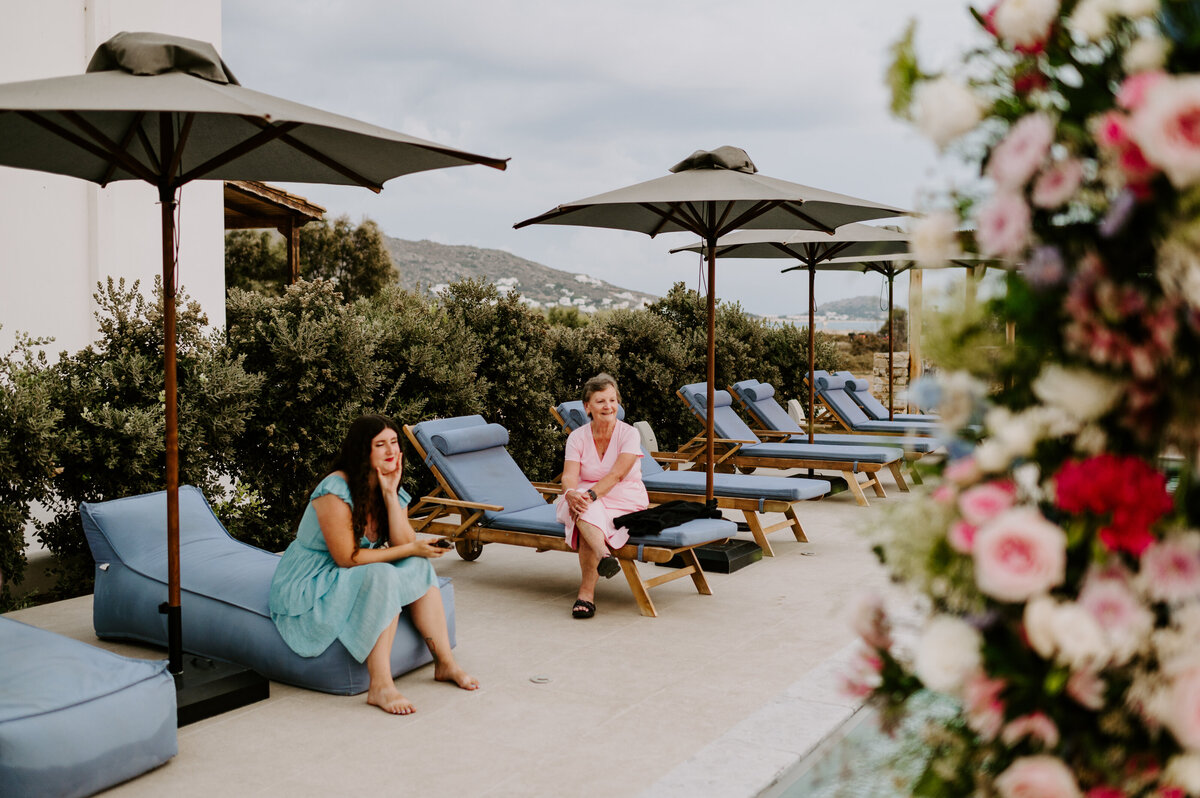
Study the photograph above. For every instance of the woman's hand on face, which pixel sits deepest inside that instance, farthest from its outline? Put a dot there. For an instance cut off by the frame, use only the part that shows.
(389, 481)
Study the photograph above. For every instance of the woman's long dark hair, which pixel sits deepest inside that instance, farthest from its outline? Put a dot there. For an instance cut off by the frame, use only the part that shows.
(354, 460)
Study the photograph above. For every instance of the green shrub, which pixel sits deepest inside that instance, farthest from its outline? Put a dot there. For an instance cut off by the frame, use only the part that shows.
(652, 363)
(314, 355)
(110, 439)
(515, 371)
(578, 354)
(28, 434)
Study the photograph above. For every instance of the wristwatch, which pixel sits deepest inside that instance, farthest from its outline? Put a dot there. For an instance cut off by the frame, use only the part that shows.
(592, 493)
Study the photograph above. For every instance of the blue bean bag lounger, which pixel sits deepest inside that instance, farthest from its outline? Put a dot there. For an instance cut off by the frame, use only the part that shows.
(225, 586)
(76, 719)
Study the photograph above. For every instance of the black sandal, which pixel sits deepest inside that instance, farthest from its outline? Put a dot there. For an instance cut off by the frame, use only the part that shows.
(608, 566)
(583, 609)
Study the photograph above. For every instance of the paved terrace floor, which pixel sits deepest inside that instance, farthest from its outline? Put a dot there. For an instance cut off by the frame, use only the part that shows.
(717, 696)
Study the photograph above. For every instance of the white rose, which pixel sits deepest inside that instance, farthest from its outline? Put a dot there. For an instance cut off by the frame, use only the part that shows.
(934, 238)
(1137, 8)
(1183, 770)
(1081, 393)
(1078, 639)
(945, 109)
(1091, 18)
(1039, 625)
(1025, 23)
(992, 457)
(947, 653)
(1148, 52)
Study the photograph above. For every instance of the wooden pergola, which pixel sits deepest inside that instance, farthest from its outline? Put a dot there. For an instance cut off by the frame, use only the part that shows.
(251, 206)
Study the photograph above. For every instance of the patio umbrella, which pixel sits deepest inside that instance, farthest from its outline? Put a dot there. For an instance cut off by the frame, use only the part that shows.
(892, 265)
(712, 194)
(814, 250)
(167, 110)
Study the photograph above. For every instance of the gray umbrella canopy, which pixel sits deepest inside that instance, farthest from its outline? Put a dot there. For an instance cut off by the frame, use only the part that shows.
(166, 110)
(815, 251)
(712, 194)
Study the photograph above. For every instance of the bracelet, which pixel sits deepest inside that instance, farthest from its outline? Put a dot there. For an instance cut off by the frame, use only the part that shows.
(592, 493)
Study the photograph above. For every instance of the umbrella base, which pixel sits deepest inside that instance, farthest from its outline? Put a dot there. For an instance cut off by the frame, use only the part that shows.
(210, 687)
(721, 558)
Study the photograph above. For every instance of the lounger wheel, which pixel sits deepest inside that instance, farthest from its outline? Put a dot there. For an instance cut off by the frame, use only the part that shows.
(469, 550)
(748, 469)
(724, 468)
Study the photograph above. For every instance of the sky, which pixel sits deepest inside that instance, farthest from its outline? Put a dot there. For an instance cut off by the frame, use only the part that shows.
(586, 97)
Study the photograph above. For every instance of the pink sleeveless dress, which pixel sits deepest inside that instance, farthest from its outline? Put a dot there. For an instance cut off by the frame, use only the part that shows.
(626, 496)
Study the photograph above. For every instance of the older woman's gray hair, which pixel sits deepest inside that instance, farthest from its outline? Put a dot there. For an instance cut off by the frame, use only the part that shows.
(599, 383)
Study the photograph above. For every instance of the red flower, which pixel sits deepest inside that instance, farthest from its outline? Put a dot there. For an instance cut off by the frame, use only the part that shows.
(1125, 491)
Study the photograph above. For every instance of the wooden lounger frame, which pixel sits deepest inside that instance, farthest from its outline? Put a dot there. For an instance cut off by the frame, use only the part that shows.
(750, 508)
(828, 411)
(432, 515)
(729, 458)
(783, 436)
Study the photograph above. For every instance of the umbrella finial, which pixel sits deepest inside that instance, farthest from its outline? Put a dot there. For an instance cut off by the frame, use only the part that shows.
(734, 158)
(157, 53)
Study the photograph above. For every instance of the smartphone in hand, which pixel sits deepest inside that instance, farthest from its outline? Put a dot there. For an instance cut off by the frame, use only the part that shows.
(443, 543)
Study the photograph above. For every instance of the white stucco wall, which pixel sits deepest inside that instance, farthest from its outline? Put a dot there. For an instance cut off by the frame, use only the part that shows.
(60, 235)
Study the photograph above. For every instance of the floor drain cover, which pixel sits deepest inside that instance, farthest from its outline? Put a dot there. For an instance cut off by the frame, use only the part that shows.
(540, 679)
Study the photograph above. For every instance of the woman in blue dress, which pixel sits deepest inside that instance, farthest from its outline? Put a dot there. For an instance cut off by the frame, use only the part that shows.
(356, 561)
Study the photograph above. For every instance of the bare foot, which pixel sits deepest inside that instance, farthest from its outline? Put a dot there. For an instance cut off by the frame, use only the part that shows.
(453, 673)
(389, 699)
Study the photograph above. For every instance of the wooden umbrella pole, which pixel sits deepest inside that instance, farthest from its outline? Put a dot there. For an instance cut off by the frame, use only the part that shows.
(812, 356)
(709, 445)
(173, 609)
(891, 353)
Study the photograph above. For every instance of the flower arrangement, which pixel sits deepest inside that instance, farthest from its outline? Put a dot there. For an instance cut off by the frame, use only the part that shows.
(1059, 565)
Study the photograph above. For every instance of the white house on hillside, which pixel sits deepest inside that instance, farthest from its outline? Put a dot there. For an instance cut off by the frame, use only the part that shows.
(59, 236)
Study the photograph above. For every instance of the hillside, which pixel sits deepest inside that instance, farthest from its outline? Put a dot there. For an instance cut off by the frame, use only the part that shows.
(432, 266)
(855, 307)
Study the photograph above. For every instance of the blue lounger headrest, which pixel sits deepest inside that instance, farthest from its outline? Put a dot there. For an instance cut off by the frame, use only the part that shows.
(858, 384)
(829, 382)
(759, 392)
(470, 439)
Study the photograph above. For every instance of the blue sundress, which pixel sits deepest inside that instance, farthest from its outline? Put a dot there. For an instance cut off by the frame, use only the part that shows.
(314, 601)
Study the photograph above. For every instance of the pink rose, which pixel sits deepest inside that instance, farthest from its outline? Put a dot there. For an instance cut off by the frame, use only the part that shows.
(1133, 91)
(1019, 555)
(870, 621)
(984, 502)
(943, 494)
(1183, 708)
(1023, 150)
(1087, 689)
(1125, 621)
(1057, 184)
(1039, 776)
(1112, 130)
(963, 471)
(1036, 726)
(1002, 225)
(863, 676)
(961, 536)
(1107, 792)
(1170, 569)
(1167, 128)
(982, 705)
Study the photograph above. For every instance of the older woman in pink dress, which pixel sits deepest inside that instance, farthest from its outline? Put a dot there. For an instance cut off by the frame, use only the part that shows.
(602, 478)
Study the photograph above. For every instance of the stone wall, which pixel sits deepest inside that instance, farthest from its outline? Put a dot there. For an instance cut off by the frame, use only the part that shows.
(879, 375)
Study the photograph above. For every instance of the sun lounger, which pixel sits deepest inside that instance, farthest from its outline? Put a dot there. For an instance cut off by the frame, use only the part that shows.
(750, 494)
(745, 450)
(226, 586)
(76, 719)
(758, 399)
(480, 483)
(836, 402)
(860, 391)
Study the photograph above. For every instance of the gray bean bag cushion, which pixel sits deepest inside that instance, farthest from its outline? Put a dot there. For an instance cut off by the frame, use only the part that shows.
(225, 587)
(76, 719)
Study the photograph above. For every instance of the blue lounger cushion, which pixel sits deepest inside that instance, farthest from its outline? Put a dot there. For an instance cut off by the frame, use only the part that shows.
(832, 390)
(226, 586)
(758, 397)
(739, 486)
(491, 476)
(76, 719)
(693, 533)
(729, 425)
(470, 439)
(860, 391)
